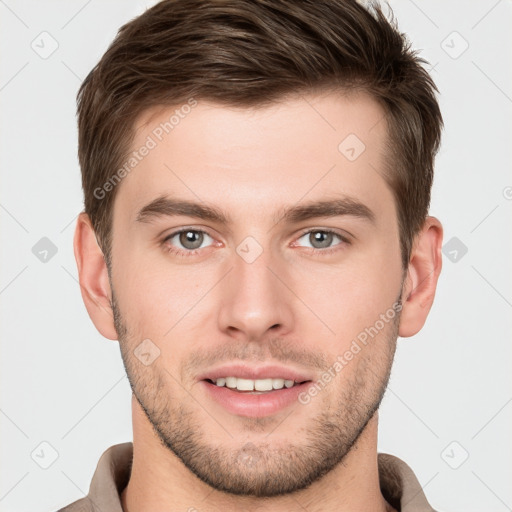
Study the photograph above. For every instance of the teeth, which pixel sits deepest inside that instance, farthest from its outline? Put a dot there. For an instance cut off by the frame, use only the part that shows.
(230, 382)
(278, 383)
(253, 385)
(244, 384)
(263, 384)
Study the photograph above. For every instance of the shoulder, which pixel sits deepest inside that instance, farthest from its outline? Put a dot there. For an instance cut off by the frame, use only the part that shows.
(399, 485)
(110, 477)
(81, 505)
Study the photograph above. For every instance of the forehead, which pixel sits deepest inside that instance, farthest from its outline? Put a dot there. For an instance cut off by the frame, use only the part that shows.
(254, 159)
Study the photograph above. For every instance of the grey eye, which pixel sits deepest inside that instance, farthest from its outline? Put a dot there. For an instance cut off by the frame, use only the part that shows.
(321, 238)
(191, 239)
(188, 239)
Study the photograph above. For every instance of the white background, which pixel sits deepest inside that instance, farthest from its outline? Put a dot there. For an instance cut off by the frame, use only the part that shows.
(63, 384)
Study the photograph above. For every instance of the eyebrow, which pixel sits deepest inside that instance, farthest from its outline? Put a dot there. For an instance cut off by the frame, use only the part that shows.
(168, 207)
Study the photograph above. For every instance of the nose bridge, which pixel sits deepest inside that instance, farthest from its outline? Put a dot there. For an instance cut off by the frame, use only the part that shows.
(254, 299)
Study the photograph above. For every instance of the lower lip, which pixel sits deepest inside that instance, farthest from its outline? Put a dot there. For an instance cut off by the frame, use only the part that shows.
(254, 405)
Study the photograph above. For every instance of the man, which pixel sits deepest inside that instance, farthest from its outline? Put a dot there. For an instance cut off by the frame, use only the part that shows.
(256, 235)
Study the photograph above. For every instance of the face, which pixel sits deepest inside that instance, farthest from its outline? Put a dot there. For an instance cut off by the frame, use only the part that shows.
(258, 247)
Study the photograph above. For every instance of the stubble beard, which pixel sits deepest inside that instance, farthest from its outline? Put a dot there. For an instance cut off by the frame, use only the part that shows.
(264, 469)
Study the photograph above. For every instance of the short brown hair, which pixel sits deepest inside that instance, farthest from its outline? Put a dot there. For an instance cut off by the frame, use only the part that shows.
(248, 53)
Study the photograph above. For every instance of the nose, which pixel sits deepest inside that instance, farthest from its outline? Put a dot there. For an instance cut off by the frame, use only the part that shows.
(255, 299)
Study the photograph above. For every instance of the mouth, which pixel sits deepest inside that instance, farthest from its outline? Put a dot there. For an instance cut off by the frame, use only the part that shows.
(254, 392)
(254, 386)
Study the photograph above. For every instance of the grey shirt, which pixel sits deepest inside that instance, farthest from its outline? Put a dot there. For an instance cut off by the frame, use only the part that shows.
(398, 484)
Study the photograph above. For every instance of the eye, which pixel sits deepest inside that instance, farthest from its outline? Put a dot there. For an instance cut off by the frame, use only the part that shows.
(321, 239)
(186, 240)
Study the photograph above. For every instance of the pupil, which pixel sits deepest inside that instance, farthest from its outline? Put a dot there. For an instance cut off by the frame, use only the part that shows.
(321, 237)
(191, 239)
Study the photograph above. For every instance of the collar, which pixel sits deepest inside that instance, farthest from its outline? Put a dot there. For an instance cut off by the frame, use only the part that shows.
(398, 483)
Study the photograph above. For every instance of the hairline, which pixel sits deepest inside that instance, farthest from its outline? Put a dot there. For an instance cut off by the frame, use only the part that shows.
(352, 90)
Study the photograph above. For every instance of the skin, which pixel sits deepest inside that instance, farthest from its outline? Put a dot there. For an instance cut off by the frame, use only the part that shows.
(291, 305)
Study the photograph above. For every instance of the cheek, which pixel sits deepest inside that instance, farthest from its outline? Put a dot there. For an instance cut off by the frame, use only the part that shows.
(160, 300)
(350, 296)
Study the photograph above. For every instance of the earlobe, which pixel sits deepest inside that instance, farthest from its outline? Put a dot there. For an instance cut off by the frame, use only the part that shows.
(422, 275)
(93, 277)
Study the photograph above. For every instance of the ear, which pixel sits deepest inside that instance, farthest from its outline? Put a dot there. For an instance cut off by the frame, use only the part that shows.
(422, 275)
(93, 277)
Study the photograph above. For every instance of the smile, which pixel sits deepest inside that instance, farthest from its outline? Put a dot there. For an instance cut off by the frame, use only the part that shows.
(254, 386)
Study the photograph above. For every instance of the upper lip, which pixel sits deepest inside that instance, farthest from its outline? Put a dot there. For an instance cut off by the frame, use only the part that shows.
(245, 371)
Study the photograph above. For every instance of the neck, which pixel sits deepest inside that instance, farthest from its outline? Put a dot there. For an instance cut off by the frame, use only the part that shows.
(159, 480)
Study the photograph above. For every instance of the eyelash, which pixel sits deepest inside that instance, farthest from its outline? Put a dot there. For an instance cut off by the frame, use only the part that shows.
(187, 253)
(181, 252)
